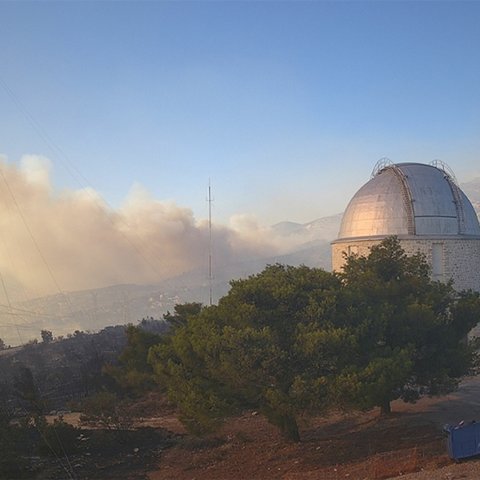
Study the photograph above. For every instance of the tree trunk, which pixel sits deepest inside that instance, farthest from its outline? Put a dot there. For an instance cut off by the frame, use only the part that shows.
(385, 408)
(289, 428)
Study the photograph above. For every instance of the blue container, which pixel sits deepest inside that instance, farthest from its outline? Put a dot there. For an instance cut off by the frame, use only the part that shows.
(463, 440)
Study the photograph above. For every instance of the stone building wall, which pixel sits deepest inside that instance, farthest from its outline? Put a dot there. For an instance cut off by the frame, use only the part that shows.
(457, 258)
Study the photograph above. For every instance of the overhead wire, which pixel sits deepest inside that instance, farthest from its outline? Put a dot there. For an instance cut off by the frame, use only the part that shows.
(34, 241)
(70, 467)
(76, 174)
(143, 250)
(7, 296)
(67, 468)
(28, 312)
(4, 285)
(73, 170)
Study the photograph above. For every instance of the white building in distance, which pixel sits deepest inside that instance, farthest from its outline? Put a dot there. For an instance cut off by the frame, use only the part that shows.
(426, 209)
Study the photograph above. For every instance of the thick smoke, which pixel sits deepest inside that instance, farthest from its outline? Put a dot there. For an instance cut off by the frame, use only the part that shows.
(72, 240)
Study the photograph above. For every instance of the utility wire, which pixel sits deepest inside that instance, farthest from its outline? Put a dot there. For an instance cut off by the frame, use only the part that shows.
(34, 241)
(71, 169)
(69, 471)
(70, 468)
(9, 304)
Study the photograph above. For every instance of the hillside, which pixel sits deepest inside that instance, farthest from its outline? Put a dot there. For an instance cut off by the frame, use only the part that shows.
(62, 370)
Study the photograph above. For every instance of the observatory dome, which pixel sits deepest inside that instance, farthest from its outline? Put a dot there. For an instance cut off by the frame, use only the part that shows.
(426, 209)
(409, 199)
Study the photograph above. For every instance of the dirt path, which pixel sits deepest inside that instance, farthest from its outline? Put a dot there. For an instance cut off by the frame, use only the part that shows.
(464, 404)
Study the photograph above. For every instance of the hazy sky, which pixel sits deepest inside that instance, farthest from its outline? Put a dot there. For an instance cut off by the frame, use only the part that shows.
(285, 105)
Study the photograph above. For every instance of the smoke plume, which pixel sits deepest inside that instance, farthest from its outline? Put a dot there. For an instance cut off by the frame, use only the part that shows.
(72, 240)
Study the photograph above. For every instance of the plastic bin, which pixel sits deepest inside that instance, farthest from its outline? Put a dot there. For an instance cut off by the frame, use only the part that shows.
(463, 440)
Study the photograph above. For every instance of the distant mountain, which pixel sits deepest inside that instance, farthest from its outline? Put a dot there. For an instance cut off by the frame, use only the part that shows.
(472, 189)
(325, 228)
(287, 228)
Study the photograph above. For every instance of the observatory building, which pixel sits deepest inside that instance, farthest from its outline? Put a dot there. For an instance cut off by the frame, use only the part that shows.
(426, 209)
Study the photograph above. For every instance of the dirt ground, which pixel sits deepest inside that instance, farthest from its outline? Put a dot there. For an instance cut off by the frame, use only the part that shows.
(409, 444)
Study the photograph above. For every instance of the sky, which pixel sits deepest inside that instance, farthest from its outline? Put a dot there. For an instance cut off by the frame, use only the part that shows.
(285, 106)
(114, 117)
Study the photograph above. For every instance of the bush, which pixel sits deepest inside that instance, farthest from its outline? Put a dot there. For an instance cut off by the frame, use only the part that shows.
(13, 449)
(104, 409)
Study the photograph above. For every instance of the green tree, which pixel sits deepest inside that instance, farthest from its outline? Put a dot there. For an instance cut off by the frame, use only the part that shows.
(410, 331)
(27, 391)
(47, 336)
(271, 345)
(134, 373)
(290, 341)
(181, 313)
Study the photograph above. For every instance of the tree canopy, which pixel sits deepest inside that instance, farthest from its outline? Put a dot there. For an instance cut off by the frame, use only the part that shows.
(410, 331)
(181, 313)
(257, 349)
(133, 373)
(47, 336)
(295, 340)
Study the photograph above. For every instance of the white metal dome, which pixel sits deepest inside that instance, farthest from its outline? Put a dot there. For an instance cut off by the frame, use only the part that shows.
(409, 199)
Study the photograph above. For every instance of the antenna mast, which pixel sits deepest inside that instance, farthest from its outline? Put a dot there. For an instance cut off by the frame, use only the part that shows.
(210, 276)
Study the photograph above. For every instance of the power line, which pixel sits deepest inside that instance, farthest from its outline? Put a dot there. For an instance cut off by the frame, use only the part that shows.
(73, 171)
(32, 237)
